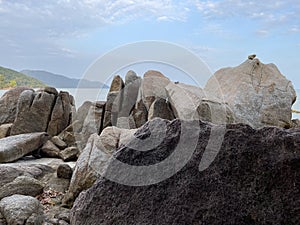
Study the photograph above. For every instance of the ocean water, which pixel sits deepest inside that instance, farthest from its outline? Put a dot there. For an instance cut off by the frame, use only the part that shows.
(91, 94)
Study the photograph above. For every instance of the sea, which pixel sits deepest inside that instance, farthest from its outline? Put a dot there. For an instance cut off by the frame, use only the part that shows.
(96, 94)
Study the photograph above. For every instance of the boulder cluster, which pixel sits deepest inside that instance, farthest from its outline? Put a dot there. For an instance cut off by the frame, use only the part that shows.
(238, 160)
(31, 120)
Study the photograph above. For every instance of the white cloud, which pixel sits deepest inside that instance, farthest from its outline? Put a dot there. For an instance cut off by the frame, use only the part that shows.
(215, 28)
(294, 29)
(269, 12)
(266, 18)
(163, 18)
(52, 20)
(66, 17)
(263, 33)
(40, 28)
(62, 51)
(37, 28)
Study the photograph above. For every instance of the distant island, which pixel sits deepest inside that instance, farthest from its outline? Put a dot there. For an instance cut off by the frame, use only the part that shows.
(10, 78)
(61, 81)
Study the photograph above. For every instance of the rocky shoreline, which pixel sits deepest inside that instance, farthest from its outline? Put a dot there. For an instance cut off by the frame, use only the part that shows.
(225, 154)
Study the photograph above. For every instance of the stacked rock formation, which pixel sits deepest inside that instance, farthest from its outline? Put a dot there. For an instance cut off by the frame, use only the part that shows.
(30, 111)
(156, 152)
(30, 118)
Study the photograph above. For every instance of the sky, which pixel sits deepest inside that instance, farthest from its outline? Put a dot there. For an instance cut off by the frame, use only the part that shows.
(67, 36)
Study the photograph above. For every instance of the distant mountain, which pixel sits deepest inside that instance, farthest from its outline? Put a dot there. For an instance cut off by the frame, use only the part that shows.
(10, 78)
(60, 81)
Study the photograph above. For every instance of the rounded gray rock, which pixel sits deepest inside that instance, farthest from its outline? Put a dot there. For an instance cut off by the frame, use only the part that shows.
(64, 171)
(18, 209)
(22, 185)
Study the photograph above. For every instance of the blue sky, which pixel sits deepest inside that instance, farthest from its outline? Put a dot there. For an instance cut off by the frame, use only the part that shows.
(66, 36)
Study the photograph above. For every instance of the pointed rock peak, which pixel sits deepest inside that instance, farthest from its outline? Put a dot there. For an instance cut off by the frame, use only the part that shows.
(117, 84)
(154, 73)
(131, 73)
(49, 90)
(130, 77)
(253, 61)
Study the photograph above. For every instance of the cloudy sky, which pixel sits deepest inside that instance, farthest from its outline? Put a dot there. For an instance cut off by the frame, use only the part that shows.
(66, 36)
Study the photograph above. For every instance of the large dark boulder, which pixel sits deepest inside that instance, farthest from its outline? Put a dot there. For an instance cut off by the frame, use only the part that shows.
(253, 178)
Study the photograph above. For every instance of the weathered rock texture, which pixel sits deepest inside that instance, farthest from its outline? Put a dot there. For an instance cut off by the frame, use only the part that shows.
(69, 154)
(153, 87)
(33, 112)
(296, 123)
(129, 93)
(140, 113)
(93, 121)
(117, 84)
(127, 98)
(15, 147)
(192, 103)
(9, 173)
(31, 177)
(22, 185)
(131, 105)
(20, 209)
(8, 104)
(253, 179)
(61, 114)
(258, 93)
(80, 115)
(44, 110)
(64, 171)
(5, 130)
(162, 109)
(113, 102)
(59, 142)
(50, 150)
(94, 159)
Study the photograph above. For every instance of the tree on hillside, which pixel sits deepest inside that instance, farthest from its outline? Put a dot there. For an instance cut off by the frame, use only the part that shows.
(12, 83)
(2, 81)
(1, 78)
